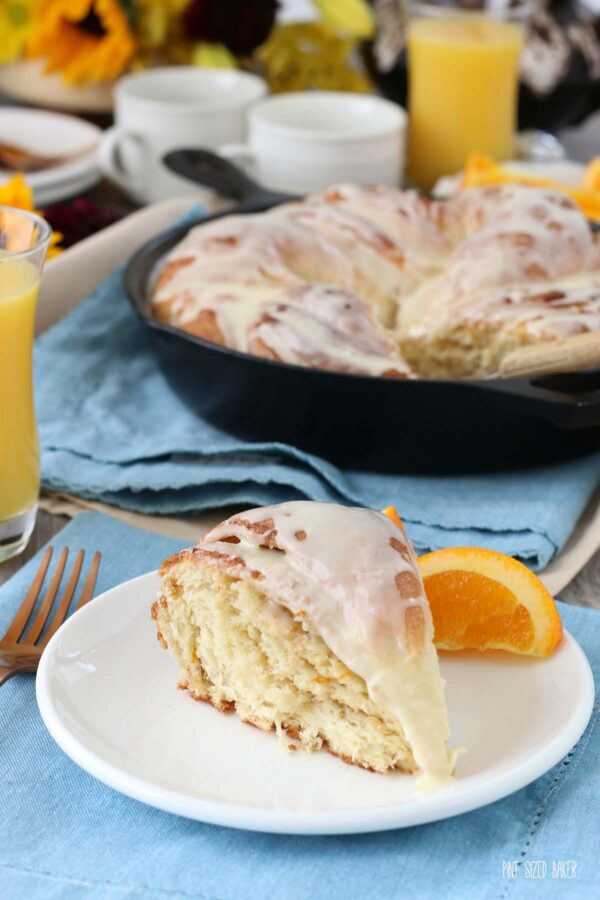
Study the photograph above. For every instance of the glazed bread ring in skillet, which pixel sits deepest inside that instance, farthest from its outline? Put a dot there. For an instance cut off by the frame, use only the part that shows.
(381, 281)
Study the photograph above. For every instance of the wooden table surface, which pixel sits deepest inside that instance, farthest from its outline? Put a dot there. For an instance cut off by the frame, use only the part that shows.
(584, 590)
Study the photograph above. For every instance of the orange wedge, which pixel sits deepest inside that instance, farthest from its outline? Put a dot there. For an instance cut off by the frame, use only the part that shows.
(484, 600)
(481, 170)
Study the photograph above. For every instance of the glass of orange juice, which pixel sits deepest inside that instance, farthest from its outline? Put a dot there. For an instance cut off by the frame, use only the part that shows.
(24, 240)
(463, 64)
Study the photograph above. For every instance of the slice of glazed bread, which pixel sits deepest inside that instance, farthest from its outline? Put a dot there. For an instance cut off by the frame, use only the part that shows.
(311, 619)
(240, 651)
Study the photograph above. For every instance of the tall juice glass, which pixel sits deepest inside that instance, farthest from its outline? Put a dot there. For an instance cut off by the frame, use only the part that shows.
(463, 68)
(24, 240)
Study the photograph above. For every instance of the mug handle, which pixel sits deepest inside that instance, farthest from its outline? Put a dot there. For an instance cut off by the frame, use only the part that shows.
(110, 159)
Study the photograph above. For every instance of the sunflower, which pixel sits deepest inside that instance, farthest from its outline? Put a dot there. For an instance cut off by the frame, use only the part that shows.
(86, 40)
(15, 22)
(17, 193)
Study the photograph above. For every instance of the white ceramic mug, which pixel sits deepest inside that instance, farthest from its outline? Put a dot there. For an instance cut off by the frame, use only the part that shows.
(168, 108)
(307, 141)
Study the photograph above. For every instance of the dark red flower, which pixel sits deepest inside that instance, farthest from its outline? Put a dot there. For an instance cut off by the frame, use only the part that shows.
(242, 25)
(80, 219)
(200, 20)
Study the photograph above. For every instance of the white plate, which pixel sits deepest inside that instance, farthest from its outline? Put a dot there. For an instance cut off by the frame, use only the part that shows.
(52, 134)
(26, 80)
(106, 692)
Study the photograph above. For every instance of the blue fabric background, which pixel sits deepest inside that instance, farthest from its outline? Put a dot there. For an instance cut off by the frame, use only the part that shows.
(111, 428)
(64, 835)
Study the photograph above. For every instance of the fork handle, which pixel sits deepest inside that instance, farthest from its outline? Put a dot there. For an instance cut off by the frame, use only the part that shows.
(7, 671)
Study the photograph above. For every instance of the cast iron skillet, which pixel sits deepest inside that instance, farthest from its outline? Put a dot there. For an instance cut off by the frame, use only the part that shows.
(356, 421)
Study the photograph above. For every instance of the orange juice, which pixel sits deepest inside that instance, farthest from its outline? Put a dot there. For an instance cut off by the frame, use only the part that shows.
(462, 92)
(19, 454)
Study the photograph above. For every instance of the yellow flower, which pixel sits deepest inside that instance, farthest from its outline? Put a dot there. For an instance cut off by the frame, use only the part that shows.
(213, 56)
(156, 20)
(85, 40)
(15, 21)
(352, 17)
(152, 26)
(158, 34)
(18, 194)
(305, 55)
(176, 6)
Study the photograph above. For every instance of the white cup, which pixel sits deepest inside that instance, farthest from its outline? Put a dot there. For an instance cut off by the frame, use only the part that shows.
(307, 142)
(168, 108)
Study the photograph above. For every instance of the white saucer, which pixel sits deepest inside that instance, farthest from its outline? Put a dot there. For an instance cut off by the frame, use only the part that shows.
(53, 134)
(106, 692)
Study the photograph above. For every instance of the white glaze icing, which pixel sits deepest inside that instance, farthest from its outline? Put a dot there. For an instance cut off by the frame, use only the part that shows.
(529, 264)
(353, 574)
(302, 282)
(564, 308)
(277, 269)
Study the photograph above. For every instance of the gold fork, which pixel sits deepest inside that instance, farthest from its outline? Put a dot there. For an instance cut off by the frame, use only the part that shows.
(20, 652)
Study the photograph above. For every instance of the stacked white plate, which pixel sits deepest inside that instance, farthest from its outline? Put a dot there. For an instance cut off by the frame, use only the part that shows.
(50, 134)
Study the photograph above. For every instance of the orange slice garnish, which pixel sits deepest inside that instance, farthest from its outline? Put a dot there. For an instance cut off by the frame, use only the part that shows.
(481, 171)
(484, 600)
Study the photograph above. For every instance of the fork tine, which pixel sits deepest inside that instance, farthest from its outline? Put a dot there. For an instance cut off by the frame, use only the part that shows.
(44, 610)
(90, 582)
(17, 626)
(65, 600)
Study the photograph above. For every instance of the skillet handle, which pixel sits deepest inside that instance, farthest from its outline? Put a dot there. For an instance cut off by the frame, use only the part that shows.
(569, 400)
(213, 171)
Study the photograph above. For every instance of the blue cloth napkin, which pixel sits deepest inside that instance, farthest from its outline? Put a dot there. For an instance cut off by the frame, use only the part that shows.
(64, 835)
(112, 429)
